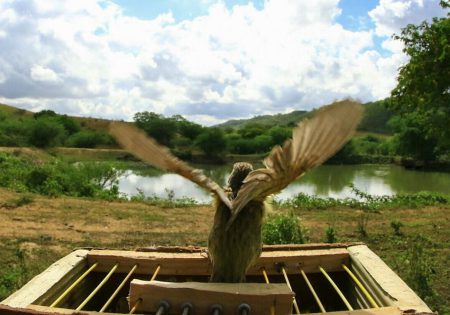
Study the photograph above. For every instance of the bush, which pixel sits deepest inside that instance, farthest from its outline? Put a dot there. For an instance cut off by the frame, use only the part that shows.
(88, 139)
(283, 229)
(46, 133)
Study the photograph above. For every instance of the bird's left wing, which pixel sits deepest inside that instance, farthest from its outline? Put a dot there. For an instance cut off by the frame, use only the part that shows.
(148, 150)
(313, 141)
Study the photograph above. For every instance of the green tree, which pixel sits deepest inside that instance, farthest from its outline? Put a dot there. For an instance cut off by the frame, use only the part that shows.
(212, 141)
(157, 126)
(46, 132)
(422, 95)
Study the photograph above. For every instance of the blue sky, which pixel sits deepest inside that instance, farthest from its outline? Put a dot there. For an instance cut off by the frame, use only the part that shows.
(208, 60)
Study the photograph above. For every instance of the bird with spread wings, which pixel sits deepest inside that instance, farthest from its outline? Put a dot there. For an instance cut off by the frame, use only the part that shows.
(234, 241)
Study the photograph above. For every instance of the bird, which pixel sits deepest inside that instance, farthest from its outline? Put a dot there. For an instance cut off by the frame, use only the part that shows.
(234, 241)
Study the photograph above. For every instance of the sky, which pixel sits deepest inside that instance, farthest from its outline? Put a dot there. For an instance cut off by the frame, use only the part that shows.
(208, 60)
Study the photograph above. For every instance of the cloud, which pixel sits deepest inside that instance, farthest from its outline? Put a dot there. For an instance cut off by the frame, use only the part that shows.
(391, 15)
(88, 58)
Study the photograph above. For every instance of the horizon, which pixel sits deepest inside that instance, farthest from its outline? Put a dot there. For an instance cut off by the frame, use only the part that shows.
(209, 61)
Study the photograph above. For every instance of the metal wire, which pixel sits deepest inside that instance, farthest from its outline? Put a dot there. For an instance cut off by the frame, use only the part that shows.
(265, 275)
(139, 301)
(99, 286)
(338, 291)
(118, 289)
(316, 297)
(289, 285)
(360, 285)
(158, 268)
(73, 285)
(266, 278)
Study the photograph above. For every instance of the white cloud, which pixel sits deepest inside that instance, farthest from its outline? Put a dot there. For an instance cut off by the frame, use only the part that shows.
(391, 15)
(39, 73)
(89, 58)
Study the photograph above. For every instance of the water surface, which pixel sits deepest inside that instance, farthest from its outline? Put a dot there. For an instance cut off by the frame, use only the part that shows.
(324, 181)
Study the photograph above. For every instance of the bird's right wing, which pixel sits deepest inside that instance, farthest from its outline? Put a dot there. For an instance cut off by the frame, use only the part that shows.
(148, 150)
(313, 141)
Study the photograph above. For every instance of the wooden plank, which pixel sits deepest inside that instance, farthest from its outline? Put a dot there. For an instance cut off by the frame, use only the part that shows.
(389, 283)
(197, 263)
(270, 248)
(371, 311)
(48, 281)
(260, 296)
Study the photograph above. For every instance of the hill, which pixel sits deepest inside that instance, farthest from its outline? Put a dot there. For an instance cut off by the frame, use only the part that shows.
(375, 119)
(289, 120)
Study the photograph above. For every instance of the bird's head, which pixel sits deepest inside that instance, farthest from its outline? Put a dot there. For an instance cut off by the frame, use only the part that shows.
(238, 174)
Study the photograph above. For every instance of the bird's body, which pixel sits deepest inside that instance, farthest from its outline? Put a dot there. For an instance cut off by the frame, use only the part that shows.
(234, 241)
(232, 250)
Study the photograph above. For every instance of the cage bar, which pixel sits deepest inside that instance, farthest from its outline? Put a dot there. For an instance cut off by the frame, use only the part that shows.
(100, 285)
(336, 288)
(290, 287)
(313, 292)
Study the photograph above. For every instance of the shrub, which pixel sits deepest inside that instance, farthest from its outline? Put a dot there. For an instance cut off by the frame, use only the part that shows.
(396, 225)
(88, 139)
(283, 229)
(330, 235)
(46, 133)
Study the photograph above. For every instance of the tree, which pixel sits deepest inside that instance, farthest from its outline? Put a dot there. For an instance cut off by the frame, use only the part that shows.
(212, 141)
(46, 132)
(157, 126)
(422, 94)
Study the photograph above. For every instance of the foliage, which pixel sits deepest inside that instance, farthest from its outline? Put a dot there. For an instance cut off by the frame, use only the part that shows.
(88, 139)
(15, 275)
(212, 141)
(283, 229)
(419, 270)
(376, 118)
(422, 95)
(162, 129)
(330, 234)
(365, 201)
(46, 132)
(59, 178)
(169, 202)
(396, 225)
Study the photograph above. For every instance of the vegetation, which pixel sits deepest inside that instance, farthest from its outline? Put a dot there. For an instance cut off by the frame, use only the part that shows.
(57, 178)
(283, 229)
(46, 129)
(422, 95)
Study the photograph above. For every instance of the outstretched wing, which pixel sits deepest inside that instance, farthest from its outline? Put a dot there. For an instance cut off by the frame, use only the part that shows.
(148, 150)
(313, 141)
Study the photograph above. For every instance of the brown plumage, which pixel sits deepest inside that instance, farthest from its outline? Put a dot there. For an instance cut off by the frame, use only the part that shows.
(234, 242)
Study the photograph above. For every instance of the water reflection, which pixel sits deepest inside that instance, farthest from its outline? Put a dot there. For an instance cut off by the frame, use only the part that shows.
(325, 181)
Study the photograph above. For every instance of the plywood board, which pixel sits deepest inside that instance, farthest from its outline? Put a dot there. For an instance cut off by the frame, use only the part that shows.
(45, 281)
(389, 283)
(197, 263)
(260, 297)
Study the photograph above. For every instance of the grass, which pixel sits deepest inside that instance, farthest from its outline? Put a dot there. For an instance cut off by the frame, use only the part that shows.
(35, 234)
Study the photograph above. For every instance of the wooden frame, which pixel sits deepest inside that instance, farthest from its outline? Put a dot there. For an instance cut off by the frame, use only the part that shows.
(385, 286)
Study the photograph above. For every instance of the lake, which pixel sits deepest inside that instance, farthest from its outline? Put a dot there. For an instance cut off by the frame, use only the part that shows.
(324, 181)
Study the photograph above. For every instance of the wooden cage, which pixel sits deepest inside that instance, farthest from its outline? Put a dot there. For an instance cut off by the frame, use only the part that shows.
(287, 279)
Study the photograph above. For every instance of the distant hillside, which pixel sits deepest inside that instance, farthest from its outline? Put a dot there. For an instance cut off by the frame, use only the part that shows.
(289, 120)
(375, 119)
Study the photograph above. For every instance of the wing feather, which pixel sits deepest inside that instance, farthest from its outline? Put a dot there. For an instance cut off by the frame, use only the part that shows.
(313, 141)
(148, 150)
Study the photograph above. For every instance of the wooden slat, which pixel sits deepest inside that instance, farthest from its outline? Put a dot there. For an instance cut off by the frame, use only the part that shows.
(52, 280)
(371, 311)
(260, 296)
(389, 283)
(197, 263)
